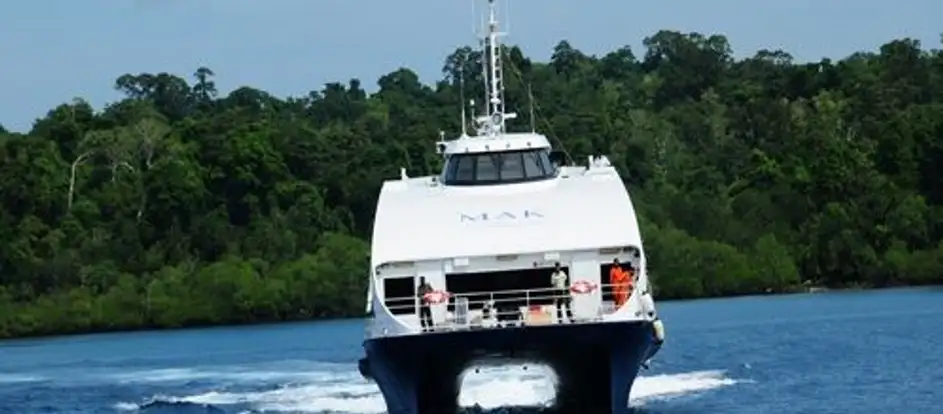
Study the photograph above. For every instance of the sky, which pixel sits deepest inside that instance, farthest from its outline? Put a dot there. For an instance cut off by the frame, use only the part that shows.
(54, 50)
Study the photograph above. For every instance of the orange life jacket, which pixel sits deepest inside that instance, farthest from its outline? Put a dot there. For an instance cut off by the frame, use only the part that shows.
(616, 276)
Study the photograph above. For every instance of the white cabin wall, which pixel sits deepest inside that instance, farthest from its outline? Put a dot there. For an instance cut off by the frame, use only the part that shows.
(402, 271)
(383, 323)
(585, 266)
(492, 264)
(432, 271)
(645, 289)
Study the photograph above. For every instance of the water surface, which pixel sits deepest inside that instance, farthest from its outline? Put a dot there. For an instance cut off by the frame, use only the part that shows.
(844, 352)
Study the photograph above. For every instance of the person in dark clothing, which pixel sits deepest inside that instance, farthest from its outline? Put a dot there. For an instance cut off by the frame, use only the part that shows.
(425, 311)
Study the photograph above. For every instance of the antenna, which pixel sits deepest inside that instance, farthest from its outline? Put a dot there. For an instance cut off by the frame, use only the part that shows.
(461, 92)
(484, 75)
(501, 51)
(494, 90)
(530, 103)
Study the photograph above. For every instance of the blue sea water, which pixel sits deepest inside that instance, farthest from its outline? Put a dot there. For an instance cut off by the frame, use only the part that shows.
(843, 352)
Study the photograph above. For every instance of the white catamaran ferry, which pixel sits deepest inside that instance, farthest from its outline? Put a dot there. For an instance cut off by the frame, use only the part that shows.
(506, 256)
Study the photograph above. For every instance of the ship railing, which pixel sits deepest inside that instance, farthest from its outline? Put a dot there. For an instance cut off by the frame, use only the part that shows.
(511, 307)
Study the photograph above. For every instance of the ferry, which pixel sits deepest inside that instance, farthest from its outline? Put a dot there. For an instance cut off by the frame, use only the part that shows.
(506, 257)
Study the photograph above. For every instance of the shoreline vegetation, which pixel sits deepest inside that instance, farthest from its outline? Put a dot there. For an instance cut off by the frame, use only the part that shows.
(178, 207)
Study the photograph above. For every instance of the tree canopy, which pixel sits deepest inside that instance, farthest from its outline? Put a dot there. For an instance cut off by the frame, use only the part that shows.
(178, 207)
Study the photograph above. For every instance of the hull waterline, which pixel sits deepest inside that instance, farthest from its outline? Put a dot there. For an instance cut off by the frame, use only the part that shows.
(595, 363)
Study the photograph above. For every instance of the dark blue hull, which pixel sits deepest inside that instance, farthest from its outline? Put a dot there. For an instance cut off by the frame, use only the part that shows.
(596, 363)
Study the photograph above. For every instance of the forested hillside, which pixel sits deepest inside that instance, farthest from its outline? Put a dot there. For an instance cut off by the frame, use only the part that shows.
(179, 207)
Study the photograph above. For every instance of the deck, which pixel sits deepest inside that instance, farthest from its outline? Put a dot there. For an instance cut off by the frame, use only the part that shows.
(508, 308)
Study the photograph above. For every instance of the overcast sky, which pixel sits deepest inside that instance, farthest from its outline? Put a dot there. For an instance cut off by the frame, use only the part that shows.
(53, 50)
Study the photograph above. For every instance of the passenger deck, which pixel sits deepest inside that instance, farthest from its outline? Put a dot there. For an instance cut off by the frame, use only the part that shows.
(514, 308)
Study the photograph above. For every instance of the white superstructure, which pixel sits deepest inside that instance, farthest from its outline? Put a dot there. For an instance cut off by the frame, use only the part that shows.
(501, 205)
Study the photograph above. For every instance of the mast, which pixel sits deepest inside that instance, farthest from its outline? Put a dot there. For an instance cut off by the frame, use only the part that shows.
(493, 122)
(494, 82)
(461, 92)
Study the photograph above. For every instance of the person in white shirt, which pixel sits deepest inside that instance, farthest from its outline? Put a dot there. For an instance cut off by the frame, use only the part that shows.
(561, 297)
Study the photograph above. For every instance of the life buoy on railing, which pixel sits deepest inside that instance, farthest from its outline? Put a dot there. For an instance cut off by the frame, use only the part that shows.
(436, 297)
(582, 287)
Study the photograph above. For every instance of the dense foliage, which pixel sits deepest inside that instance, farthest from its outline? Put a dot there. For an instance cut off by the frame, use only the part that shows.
(176, 207)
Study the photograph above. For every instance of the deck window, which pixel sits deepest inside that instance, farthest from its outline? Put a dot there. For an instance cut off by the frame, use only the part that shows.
(399, 295)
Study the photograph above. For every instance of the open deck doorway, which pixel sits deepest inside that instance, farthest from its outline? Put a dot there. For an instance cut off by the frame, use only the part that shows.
(509, 291)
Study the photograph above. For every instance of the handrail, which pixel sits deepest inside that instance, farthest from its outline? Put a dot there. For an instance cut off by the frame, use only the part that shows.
(524, 297)
(488, 313)
(525, 292)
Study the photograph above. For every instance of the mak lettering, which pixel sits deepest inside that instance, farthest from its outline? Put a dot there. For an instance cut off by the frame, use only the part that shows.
(501, 216)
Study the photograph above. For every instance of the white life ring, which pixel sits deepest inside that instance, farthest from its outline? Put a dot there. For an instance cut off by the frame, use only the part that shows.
(582, 287)
(436, 297)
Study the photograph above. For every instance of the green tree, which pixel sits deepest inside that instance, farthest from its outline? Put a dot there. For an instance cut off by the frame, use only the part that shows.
(178, 206)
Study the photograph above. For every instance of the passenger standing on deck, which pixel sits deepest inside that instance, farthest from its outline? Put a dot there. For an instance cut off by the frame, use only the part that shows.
(425, 311)
(618, 278)
(561, 297)
(630, 279)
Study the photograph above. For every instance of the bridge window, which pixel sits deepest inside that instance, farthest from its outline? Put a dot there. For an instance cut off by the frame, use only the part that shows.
(536, 163)
(498, 167)
(487, 168)
(513, 168)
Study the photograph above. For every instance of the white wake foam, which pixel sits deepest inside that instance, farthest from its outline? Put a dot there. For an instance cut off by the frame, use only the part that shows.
(18, 378)
(494, 387)
(243, 375)
(672, 385)
(343, 391)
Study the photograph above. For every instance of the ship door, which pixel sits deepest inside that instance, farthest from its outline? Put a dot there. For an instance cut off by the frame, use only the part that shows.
(585, 306)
